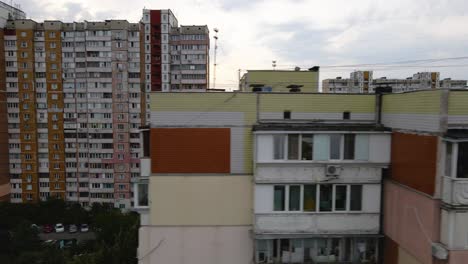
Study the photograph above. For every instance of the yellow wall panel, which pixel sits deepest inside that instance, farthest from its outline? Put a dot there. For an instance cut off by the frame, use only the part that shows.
(201, 200)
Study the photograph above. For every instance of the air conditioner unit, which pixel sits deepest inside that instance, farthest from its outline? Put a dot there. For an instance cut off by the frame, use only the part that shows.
(333, 170)
(439, 251)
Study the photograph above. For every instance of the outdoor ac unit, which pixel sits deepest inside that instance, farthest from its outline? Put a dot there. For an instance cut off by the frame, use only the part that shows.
(333, 170)
(439, 251)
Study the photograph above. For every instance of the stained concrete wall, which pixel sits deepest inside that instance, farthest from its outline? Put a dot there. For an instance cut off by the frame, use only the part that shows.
(411, 220)
(195, 245)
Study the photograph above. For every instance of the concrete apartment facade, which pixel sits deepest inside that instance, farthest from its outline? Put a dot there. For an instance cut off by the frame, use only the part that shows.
(76, 97)
(6, 12)
(363, 82)
(304, 178)
(425, 205)
(279, 80)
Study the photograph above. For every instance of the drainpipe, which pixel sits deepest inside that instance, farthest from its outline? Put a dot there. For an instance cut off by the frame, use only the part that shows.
(381, 244)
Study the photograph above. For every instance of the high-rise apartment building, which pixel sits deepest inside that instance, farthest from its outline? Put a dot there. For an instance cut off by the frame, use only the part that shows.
(74, 93)
(176, 57)
(6, 12)
(76, 98)
(363, 82)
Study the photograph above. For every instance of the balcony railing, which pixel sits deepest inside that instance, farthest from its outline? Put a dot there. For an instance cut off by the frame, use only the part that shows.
(455, 191)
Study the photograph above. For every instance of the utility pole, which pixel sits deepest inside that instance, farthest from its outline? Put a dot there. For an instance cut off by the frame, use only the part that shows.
(215, 51)
(273, 63)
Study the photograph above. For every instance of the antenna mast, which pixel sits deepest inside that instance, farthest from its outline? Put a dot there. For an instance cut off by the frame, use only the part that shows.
(215, 51)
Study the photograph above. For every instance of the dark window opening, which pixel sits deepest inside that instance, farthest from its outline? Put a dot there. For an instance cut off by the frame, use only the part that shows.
(287, 114)
(462, 163)
(346, 115)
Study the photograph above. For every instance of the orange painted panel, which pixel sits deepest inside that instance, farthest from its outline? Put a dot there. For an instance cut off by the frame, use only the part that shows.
(190, 150)
(414, 161)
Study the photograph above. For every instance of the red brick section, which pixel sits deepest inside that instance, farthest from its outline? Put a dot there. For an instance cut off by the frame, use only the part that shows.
(390, 251)
(414, 161)
(4, 158)
(190, 150)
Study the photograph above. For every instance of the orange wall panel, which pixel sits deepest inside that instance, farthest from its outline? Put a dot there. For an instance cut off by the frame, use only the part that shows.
(414, 161)
(190, 150)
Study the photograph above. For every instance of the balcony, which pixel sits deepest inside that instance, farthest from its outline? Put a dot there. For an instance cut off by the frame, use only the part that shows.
(317, 223)
(455, 191)
(145, 167)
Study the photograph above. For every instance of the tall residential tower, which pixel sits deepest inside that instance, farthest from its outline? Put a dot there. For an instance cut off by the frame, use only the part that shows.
(76, 99)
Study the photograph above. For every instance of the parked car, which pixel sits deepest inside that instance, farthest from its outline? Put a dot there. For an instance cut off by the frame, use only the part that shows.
(72, 229)
(59, 228)
(84, 228)
(47, 229)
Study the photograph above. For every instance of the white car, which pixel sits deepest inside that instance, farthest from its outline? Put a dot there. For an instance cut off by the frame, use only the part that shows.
(84, 228)
(59, 228)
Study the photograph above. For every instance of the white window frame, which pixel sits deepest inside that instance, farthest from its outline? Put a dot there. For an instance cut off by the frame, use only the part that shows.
(317, 199)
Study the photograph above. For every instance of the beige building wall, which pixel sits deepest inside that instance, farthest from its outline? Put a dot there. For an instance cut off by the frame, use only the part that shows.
(195, 245)
(220, 200)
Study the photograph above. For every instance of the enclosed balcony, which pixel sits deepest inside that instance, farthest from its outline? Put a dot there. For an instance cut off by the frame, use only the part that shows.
(455, 180)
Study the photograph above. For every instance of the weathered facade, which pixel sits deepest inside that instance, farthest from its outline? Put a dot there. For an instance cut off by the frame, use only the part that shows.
(304, 178)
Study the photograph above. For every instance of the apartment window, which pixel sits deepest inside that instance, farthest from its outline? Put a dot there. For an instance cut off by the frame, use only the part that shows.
(326, 197)
(279, 197)
(335, 146)
(300, 147)
(448, 158)
(278, 147)
(340, 197)
(356, 198)
(51, 34)
(318, 198)
(52, 45)
(294, 197)
(293, 146)
(142, 194)
(310, 198)
(349, 143)
(307, 146)
(456, 159)
(462, 162)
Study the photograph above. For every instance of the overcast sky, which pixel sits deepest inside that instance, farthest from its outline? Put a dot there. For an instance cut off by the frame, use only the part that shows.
(303, 33)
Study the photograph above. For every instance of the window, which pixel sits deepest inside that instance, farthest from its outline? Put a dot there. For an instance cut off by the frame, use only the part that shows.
(346, 115)
(293, 146)
(349, 140)
(294, 197)
(307, 146)
(340, 197)
(335, 146)
(278, 146)
(287, 114)
(326, 196)
(310, 196)
(142, 194)
(448, 158)
(279, 198)
(462, 162)
(356, 198)
(456, 159)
